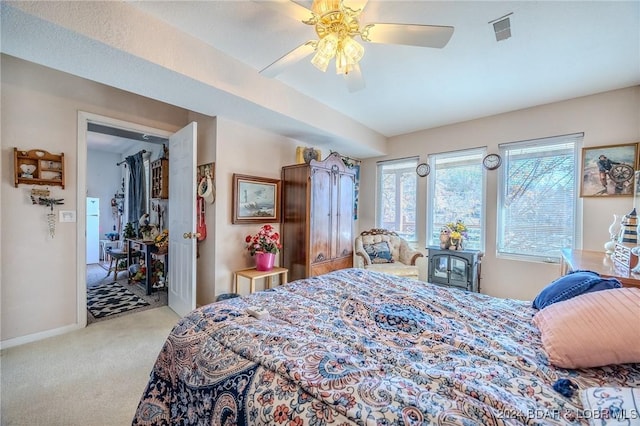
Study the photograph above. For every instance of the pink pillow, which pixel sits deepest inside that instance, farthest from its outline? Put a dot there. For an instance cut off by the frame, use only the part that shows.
(593, 329)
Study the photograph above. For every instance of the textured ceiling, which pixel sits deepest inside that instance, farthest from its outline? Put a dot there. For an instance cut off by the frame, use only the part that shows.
(205, 56)
(558, 50)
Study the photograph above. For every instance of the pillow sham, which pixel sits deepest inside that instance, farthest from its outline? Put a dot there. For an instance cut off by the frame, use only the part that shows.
(593, 329)
(379, 252)
(571, 285)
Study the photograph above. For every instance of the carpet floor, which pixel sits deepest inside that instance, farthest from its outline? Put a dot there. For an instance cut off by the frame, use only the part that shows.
(94, 376)
(107, 299)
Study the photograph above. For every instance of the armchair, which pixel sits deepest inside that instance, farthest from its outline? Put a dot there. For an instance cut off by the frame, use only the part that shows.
(385, 251)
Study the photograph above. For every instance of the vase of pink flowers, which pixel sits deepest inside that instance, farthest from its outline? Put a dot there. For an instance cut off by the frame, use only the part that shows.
(264, 246)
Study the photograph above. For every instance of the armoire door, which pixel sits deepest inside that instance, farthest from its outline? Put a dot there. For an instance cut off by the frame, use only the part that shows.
(344, 215)
(321, 215)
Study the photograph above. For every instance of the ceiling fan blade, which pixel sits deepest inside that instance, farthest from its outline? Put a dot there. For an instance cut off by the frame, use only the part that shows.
(409, 34)
(290, 58)
(356, 5)
(289, 8)
(354, 79)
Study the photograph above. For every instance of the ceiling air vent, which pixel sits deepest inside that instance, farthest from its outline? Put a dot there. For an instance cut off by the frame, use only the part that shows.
(502, 27)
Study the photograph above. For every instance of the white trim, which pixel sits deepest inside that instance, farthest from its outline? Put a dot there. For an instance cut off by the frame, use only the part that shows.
(29, 338)
(84, 118)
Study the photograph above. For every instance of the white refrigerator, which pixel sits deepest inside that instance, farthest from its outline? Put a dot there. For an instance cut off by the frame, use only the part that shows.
(93, 230)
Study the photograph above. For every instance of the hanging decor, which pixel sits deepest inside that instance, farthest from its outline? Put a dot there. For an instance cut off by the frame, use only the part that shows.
(36, 198)
(205, 182)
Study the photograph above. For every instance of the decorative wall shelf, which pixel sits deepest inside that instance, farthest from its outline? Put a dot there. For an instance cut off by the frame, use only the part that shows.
(160, 178)
(38, 167)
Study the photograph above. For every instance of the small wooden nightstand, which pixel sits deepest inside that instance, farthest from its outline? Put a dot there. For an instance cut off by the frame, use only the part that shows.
(252, 274)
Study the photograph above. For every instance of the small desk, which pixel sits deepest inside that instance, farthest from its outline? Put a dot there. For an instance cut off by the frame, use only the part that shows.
(599, 262)
(252, 274)
(146, 248)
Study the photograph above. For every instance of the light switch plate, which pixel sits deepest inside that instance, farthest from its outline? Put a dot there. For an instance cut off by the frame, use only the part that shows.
(67, 216)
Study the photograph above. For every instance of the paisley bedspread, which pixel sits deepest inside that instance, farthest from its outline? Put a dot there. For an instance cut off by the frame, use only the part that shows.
(360, 347)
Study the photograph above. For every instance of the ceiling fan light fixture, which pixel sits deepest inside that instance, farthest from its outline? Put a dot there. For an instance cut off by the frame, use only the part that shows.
(336, 26)
(321, 7)
(328, 45)
(321, 61)
(325, 51)
(349, 54)
(342, 62)
(353, 49)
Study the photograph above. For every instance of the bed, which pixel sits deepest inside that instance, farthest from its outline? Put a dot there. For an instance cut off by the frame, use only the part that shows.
(361, 347)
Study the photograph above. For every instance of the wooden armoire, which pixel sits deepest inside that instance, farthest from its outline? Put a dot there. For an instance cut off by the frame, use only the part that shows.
(317, 217)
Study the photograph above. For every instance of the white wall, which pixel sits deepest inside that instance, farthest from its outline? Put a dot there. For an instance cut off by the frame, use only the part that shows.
(40, 110)
(103, 182)
(606, 119)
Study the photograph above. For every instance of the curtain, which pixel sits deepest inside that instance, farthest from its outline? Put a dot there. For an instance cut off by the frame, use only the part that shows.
(136, 195)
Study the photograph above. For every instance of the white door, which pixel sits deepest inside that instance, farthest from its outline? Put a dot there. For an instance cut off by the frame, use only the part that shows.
(182, 220)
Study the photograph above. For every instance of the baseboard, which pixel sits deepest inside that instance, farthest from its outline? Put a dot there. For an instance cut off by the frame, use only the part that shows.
(17, 341)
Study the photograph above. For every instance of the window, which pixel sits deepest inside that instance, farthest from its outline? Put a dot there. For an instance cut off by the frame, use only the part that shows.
(457, 192)
(397, 182)
(537, 197)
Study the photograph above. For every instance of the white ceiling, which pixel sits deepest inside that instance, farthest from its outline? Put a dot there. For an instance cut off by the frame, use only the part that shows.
(558, 50)
(108, 143)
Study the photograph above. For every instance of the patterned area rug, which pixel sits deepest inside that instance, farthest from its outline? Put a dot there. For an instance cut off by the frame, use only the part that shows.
(110, 299)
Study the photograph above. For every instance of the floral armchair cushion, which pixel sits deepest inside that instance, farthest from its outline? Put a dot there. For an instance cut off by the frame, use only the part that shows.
(379, 252)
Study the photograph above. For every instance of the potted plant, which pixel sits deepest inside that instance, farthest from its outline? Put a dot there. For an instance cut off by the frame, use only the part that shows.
(264, 246)
(128, 231)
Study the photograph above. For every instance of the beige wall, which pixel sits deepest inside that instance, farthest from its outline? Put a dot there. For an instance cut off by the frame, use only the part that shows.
(247, 151)
(38, 275)
(40, 110)
(606, 119)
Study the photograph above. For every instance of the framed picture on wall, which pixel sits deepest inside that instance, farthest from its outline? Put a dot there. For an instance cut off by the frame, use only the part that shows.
(255, 199)
(609, 170)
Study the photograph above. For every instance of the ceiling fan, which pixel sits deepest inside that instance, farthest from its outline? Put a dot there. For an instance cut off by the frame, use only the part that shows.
(337, 24)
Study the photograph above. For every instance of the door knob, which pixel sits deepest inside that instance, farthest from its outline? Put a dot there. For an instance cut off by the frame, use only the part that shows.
(188, 235)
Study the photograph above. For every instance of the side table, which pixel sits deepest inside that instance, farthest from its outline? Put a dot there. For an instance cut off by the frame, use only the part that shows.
(252, 274)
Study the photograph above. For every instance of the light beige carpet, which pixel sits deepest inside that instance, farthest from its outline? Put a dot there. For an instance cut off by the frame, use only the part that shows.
(94, 376)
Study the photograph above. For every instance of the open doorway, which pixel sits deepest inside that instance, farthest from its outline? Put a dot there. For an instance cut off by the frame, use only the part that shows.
(114, 283)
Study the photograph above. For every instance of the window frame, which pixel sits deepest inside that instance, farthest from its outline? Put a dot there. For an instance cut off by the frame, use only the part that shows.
(379, 188)
(577, 139)
(432, 159)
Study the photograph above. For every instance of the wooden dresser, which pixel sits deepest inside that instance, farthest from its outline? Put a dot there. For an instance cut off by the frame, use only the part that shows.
(317, 217)
(597, 261)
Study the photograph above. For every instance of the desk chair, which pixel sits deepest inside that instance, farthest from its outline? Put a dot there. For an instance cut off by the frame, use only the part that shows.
(116, 255)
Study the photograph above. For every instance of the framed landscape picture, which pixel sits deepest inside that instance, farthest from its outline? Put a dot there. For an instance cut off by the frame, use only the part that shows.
(609, 170)
(255, 199)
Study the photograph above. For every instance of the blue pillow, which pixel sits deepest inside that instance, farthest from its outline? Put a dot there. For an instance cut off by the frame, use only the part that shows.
(379, 252)
(571, 285)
